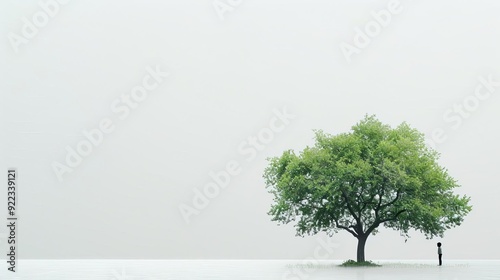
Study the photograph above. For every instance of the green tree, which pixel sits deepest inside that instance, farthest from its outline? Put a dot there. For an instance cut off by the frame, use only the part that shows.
(374, 175)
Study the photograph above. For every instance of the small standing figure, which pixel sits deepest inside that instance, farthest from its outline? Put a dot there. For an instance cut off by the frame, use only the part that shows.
(440, 253)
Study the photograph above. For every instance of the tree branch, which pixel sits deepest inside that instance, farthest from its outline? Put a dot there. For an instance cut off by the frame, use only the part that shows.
(349, 207)
(370, 200)
(381, 194)
(346, 228)
(398, 193)
(361, 200)
(393, 218)
(377, 223)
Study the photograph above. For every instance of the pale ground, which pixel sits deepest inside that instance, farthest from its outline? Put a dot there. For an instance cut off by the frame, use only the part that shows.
(248, 269)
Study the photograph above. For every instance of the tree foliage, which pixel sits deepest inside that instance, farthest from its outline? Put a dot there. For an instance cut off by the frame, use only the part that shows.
(373, 175)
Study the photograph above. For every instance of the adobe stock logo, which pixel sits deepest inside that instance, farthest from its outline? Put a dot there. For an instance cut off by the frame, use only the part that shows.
(221, 179)
(456, 115)
(225, 6)
(122, 107)
(40, 19)
(363, 37)
(323, 251)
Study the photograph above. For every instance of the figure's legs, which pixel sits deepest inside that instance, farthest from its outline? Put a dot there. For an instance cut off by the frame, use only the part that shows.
(440, 259)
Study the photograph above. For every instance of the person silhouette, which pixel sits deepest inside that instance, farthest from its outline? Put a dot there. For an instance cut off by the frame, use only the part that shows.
(440, 253)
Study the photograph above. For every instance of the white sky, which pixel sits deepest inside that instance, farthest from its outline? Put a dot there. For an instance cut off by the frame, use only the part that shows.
(226, 79)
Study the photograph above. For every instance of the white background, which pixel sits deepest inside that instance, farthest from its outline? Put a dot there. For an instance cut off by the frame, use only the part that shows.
(226, 78)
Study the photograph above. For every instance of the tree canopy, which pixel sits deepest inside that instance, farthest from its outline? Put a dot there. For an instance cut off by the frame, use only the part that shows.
(373, 175)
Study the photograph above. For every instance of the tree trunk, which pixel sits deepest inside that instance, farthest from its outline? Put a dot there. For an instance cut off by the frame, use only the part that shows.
(361, 248)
